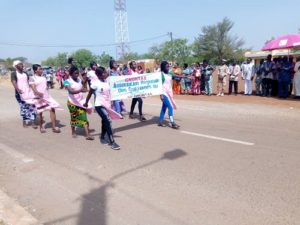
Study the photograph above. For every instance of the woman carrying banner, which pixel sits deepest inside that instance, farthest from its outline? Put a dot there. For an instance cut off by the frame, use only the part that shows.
(43, 100)
(101, 89)
(118, 105)
(133, 71)
(75, 103)
(167, 96)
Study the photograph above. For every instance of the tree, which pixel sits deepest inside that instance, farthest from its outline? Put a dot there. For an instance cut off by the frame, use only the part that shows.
(83, 57)
(215, 42)
(60, 60)
(103, 59)
(129, 57)
(177, 50)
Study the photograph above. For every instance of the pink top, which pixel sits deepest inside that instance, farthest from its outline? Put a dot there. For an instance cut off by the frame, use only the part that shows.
(23, 85)
(77, 99)
(40, 83)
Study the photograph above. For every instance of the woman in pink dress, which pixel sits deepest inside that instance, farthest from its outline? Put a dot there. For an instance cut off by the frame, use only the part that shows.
(43, 100)
(24, 94)
(59, 77)
(101, 89)
(78, 111)
(167, 96)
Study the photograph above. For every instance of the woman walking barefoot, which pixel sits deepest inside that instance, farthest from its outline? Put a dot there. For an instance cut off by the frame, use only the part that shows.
(101, 89)
(43, 100)
(75, 103)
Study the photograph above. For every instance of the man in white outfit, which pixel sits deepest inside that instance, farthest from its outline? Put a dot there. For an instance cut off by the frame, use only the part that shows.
(247, 75)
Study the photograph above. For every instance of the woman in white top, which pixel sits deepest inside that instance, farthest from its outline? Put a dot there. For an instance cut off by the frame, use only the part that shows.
(103, 106)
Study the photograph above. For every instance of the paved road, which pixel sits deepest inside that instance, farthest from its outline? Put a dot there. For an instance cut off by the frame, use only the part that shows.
(230, 163)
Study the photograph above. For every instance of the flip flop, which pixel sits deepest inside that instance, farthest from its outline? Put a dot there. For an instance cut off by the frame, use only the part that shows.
(56, 130)
(89, 138)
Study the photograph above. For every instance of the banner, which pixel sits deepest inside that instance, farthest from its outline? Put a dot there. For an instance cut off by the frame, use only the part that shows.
(134, 86)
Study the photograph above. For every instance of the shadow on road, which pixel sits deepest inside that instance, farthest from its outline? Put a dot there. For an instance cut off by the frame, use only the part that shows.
(94, 204)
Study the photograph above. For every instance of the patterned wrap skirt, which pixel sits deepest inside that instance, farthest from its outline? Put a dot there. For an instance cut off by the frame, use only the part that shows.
(27, 111)
(78, 115)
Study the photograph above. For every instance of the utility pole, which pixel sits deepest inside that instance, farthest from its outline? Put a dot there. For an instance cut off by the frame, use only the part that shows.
(171, 37)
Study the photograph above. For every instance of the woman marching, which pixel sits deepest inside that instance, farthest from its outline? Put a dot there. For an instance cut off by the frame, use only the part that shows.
(23, 94)
(134, 71)
(167, 96)
(118, 105)
(43, 101)
(103, 106)
(75, 103)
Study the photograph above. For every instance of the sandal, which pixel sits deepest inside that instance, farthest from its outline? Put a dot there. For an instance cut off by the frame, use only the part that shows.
(175, 126)
(89, 138)
(56, 130)
(42, 130)
(161, 125)
(142, 118)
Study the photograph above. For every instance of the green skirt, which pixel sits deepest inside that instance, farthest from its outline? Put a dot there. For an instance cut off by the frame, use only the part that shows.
(78, 115)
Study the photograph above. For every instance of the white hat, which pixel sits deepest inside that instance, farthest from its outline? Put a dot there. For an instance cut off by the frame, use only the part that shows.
(16, 62)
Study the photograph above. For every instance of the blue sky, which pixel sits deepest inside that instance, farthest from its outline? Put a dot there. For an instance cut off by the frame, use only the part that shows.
(88, 22)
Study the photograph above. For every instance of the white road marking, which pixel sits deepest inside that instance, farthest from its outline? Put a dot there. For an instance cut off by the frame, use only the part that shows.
(218, 138)
(12, 152)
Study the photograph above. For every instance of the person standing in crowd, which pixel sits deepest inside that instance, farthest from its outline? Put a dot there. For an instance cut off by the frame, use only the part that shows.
(195, 80)
(284, 78)
(43, 100)
(223, 72)
(119, 106)
(276, 71)
(258, 78)
(291, 60)
(207, 72)
(234, 72)
(186, 80)
(24, 94)
(176, 79)
(167, 96)
(268, 69)
(103, 106)
(297, 79)
(248, 75)
(75, 103)
(59, 77)
(133, 71)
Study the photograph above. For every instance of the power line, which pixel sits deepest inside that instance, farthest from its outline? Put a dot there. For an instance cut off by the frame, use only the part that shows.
(75, 46)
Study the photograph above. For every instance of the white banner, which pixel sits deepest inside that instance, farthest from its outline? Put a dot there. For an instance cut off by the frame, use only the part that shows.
(134, 86)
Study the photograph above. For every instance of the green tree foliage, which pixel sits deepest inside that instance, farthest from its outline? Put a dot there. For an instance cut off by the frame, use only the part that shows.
(58, 61)
(129, 57)
(216, 43)
(83, 57)
(8, 62)
(103, 59)
(177, 50)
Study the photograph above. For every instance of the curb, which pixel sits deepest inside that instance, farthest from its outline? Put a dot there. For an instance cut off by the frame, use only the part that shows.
(12, 213)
